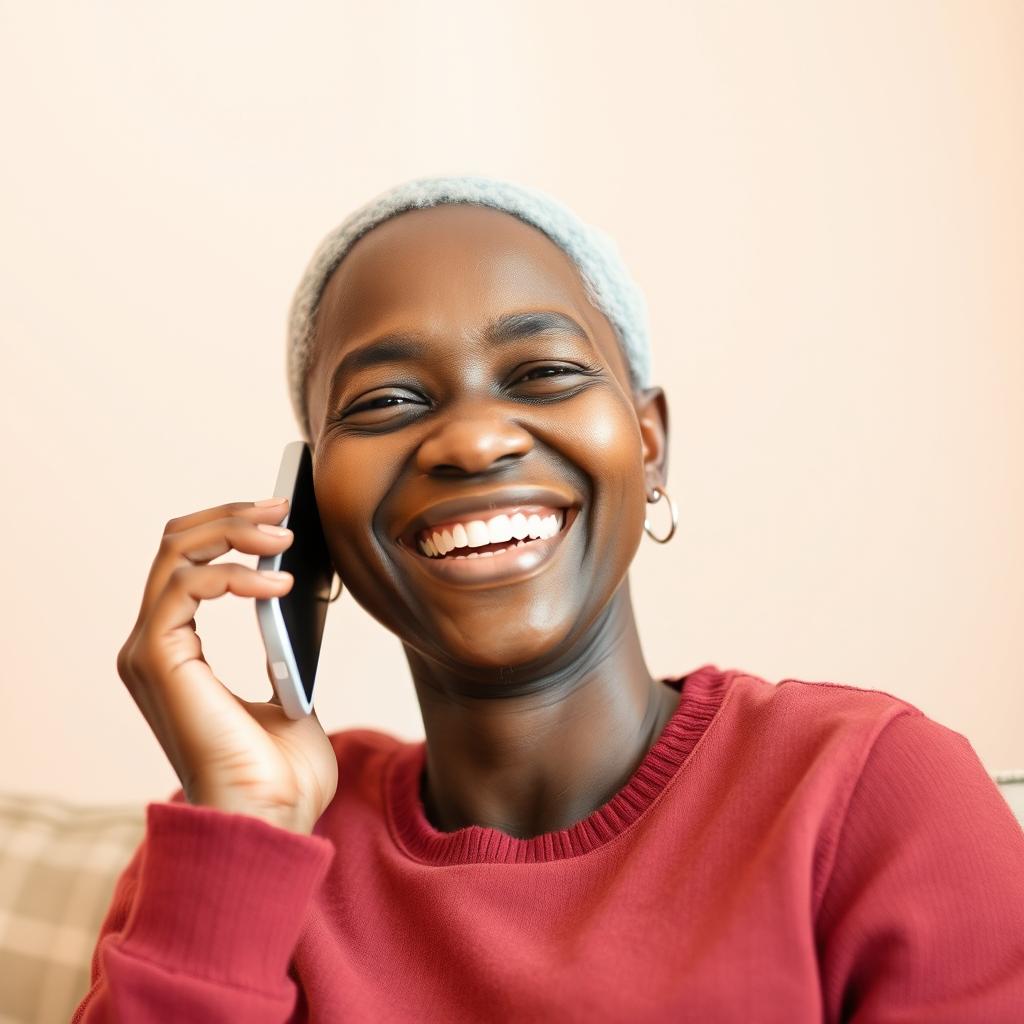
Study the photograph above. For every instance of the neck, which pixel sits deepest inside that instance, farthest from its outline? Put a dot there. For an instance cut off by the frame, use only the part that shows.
(537, 751)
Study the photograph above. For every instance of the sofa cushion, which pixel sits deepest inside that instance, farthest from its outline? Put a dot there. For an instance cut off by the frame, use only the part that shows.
(58, 865)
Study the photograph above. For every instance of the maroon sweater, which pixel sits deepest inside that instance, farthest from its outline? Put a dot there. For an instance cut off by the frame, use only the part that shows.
(792, 852)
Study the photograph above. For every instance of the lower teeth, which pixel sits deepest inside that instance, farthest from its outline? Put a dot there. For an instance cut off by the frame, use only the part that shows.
(487, 554)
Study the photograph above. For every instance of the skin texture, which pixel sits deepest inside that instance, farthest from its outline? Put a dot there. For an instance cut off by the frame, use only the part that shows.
(536, 701)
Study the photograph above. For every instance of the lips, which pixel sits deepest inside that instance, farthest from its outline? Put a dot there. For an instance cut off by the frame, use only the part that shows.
(482, 505)
(513, 564)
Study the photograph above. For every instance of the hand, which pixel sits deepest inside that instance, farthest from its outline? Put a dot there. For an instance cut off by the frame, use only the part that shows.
(239, 756)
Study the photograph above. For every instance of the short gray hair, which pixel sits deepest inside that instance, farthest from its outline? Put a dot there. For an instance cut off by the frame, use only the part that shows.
(607, 282)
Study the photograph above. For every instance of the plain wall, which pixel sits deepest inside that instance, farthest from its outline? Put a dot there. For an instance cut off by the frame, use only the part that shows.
(822, 203)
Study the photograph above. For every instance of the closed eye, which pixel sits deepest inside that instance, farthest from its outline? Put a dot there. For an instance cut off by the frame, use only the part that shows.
(373, 402)
(551, 371)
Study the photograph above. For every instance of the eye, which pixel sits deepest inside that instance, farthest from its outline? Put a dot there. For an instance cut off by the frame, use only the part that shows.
(380, 405)
(548, 371)
(553, 381)
(374, 403)
(552, 371)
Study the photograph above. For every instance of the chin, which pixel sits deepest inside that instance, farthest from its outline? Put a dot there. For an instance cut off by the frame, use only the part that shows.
(491, 650)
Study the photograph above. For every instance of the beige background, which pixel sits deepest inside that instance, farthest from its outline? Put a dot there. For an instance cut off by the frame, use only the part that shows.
(822, 202)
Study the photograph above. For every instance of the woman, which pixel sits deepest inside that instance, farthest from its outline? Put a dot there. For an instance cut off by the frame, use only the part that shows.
(575, 840)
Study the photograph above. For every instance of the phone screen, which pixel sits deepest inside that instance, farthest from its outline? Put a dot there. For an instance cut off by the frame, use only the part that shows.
(293, 631)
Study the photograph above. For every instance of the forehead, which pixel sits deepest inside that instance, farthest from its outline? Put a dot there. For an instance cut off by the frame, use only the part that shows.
(449, 270)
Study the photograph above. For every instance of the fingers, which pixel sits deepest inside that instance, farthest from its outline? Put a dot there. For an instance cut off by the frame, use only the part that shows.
(188, 585)
(203, 536)
(273, 513)
(163, 664)
(227, 752)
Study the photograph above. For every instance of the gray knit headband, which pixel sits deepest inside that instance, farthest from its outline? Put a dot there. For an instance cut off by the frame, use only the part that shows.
(596, 256)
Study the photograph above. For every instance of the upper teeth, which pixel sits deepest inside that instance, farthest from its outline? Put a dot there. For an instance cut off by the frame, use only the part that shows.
(478, 532)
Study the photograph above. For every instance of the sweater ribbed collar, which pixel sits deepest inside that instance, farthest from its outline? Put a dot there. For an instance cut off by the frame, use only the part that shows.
(703, 692)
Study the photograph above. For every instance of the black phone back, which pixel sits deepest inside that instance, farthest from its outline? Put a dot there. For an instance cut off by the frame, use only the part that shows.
(293, 631)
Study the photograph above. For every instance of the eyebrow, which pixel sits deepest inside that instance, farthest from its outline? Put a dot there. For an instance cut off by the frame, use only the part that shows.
(403, 345)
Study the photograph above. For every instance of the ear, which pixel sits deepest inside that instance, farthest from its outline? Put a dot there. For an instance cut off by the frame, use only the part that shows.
(652, 412)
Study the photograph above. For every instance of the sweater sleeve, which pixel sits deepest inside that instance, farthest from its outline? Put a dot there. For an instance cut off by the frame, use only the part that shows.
(922, 919)
(204, 920)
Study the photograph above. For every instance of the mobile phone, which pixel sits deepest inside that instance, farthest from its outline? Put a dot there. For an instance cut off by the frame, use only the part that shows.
(292, 625)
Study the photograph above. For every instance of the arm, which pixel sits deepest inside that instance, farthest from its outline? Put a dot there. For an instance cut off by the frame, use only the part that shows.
(922, 919)
(204, 920)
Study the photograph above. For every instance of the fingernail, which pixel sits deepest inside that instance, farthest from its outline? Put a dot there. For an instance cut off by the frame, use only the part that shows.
(271, 574)
(269, 501)
(274, 531)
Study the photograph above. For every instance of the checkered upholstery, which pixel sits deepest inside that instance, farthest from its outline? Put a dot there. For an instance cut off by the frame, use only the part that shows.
(58, 866)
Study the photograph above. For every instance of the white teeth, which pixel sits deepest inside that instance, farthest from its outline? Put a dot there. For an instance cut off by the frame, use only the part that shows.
(488, 554)
(477, 533)
(517, 528)
(499, 529)
(519, 525)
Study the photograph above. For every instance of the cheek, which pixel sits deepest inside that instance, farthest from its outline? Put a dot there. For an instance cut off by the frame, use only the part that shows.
(604, 431)
(602, 438)
(350, 479)
(607, 436)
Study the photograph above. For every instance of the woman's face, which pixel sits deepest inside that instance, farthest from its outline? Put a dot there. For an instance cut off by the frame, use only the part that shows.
(498, 387)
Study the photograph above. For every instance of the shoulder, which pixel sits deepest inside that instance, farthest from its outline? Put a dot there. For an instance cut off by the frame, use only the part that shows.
(814, 714)
(833, 698)
(907, 786)
(365, 757)
(896, 736)
(900, 754)
(363, 751)
(830, 739)
(361, 742)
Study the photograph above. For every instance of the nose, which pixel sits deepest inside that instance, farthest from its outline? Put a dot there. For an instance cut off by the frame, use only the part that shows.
(472, 443)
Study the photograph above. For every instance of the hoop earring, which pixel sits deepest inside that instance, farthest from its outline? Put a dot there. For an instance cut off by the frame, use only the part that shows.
(661, 492)
(331, 600)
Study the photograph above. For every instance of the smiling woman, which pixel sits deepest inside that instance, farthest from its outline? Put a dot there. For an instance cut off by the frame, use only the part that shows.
(509, 393)
(574, 839)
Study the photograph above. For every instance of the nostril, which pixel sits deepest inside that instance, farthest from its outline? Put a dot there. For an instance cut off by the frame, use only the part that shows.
(477, 443)
(470, 472)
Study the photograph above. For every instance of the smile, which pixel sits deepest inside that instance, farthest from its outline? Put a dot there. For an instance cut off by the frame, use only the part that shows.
(489, 536)
(498, 550)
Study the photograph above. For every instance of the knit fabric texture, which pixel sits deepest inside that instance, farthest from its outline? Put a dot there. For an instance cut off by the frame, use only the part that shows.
(791, 853)
(596, 256)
